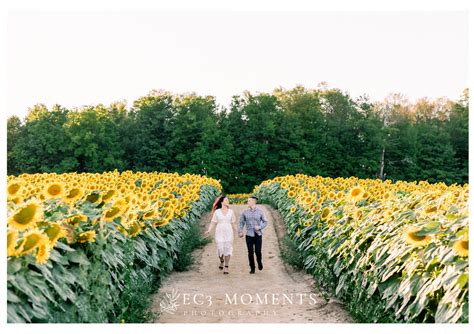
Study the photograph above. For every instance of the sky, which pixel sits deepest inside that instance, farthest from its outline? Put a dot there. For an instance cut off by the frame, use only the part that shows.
(77, 58)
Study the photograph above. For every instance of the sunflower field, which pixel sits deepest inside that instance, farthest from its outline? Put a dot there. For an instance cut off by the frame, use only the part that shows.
(87, 247)
(391, 252)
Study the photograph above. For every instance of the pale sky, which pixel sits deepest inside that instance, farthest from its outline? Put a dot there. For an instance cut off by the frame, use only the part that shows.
(82, 58)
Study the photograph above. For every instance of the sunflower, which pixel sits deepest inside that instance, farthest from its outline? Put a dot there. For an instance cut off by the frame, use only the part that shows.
(113, 212)
(462, 247)
(13, 187)
(131, 199)
(76, 219)
(135, 229)
(31, 240)
(161, 222)
(150, 214)
(122, 230)
(15, 199)
(164, 194)
(12, 238)
(124, 190)
(291, 194)
(88, 236)
(430, 210)
(357, 214)
(356, 194)
(42, 255)
(119, 207)
(412, 237)
(73, 195)
(54, 190)
(170, 212)
(132, 216)
(55, 232)
(326, 213)
(293, 209)
(145, 205)
(27, 215)
(93, 197)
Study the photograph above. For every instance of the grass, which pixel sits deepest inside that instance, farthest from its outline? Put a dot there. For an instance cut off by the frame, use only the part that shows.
(192, 240)
(290, 254)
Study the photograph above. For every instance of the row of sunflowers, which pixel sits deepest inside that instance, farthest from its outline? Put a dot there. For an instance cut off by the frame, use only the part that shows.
(81, 245)
(238, 198)
(392, 252)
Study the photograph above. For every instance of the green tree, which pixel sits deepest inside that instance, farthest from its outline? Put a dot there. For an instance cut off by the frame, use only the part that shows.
(312, 131)
(147, 132)
(94, 140)
(458, 129)
(14, 135)
(42, 145)
(253, 120)
(435, 155)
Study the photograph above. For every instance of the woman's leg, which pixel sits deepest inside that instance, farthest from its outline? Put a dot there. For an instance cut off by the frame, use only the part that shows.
(221, 258)
(227, 260)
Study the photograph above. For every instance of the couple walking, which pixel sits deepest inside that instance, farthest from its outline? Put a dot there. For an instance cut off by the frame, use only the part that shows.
(224, 220)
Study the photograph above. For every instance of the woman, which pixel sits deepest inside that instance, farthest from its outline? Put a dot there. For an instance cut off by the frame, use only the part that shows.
(224, 219)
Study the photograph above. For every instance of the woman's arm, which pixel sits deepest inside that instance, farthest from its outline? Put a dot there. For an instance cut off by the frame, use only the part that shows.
(212, 224)
(234, 221)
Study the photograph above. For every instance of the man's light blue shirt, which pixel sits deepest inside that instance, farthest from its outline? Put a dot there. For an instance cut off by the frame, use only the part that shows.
(252, 218)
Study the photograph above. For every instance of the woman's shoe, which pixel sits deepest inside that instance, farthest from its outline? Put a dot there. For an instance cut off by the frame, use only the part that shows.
(226, 272)
(221, 266)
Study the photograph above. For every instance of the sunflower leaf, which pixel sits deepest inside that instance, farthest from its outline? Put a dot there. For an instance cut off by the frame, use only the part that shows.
(430, 228)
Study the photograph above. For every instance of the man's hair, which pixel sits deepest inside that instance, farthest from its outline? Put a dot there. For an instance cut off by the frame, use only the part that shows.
(254, 197)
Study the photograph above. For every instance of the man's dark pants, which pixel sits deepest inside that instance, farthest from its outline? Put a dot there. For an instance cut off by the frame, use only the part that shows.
(254, 242)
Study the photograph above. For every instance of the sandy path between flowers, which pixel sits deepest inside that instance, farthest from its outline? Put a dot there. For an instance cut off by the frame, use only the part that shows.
(205, 295)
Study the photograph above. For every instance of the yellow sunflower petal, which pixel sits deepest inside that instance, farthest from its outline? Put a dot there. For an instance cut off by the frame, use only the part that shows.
(27, 215)
(461, 247)
(412, 237)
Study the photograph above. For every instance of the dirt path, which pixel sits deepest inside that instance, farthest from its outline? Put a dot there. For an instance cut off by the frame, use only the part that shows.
(275, 294)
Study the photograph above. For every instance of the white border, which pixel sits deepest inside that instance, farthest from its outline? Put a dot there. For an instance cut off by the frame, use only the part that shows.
(208, 5)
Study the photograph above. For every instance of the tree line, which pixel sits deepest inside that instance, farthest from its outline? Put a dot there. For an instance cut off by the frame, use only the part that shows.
(319, 131)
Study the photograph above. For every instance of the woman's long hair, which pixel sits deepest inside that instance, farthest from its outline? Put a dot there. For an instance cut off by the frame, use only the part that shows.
(218, 202)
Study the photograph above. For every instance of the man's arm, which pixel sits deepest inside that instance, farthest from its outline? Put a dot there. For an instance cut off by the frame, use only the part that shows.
(264, 221)
(242, 222)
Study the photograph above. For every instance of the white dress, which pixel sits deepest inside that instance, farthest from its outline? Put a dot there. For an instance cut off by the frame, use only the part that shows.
(224, 231)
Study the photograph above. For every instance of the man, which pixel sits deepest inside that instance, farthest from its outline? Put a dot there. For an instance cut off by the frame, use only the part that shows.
(256, 221)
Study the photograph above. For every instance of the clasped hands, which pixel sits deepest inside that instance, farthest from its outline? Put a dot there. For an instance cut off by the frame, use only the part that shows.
(256, 228)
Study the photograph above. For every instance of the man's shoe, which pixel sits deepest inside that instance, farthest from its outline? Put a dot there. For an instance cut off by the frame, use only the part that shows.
(252, 271)
(260, 266)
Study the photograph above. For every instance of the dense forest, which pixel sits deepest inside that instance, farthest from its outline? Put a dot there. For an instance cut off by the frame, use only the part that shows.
(259, 136)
